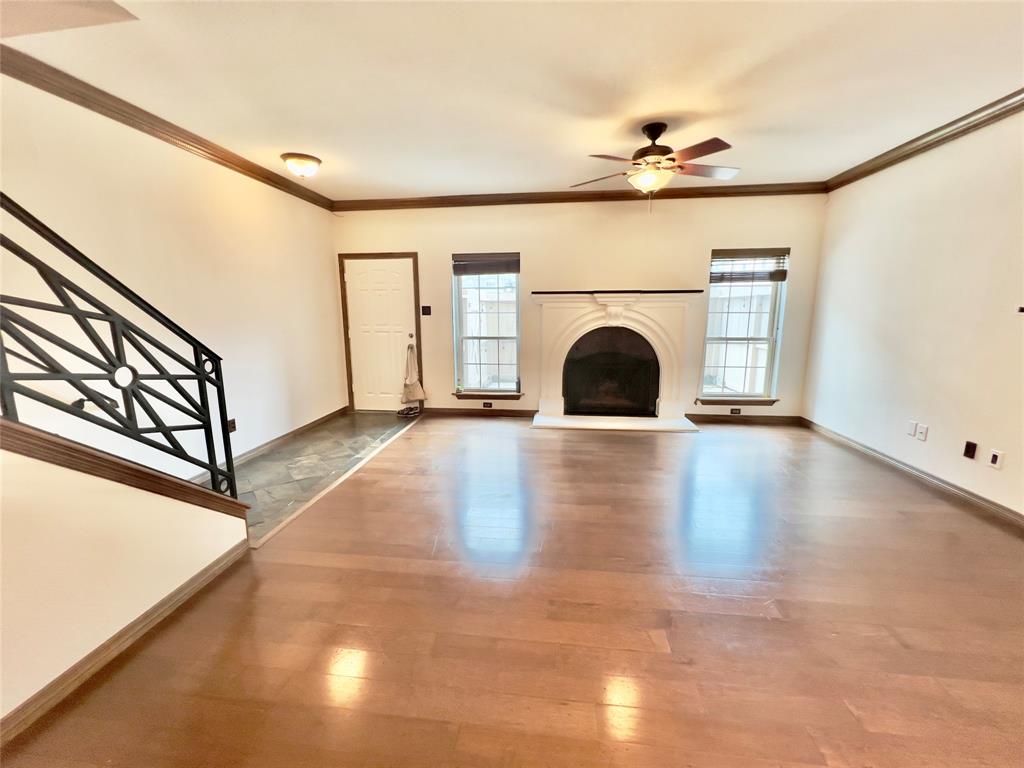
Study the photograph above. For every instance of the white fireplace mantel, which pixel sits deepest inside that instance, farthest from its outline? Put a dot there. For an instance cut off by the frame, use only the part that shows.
(660, 317)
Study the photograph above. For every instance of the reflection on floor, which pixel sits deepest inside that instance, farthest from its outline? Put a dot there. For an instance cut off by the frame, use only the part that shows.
(486, 595)
(278, 482)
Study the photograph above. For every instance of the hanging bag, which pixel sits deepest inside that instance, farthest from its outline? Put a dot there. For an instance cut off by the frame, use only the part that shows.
(412, 392)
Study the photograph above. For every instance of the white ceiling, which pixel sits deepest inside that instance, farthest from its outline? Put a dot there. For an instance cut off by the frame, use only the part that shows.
(410, 99)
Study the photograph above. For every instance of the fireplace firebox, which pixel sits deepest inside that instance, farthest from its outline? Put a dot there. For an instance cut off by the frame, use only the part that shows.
(611, 371)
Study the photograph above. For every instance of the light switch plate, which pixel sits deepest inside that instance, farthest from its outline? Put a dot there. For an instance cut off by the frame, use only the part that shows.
(912, 428)
(922, 432)
(995, 460)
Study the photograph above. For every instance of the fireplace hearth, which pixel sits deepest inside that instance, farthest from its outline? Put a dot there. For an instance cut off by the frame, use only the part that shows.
(611, 371)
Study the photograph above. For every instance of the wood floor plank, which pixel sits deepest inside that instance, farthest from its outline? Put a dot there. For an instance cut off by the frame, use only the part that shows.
(486, 595)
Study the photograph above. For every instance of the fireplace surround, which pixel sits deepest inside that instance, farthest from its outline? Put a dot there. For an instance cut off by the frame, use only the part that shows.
(613, 360)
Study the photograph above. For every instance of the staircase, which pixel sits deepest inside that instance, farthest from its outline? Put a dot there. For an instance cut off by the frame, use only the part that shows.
(99, 354)
(109, 411)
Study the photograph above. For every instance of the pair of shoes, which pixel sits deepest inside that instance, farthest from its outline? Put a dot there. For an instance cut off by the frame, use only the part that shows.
(411, 412)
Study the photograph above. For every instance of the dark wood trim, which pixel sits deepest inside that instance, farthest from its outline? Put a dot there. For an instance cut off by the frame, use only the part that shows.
(259, 450)
(601, 292)
(344, 331)
(571, 196)
(37, 444)
(37, 705)
(31, 71)
(524, 413)
(737, 401)
(487, 395)
(986, 507)
(386, 255)
(972, 121)
(415, 310)
(765, 420)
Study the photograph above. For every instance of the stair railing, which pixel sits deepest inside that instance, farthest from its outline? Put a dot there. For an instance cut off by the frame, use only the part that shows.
(148, 377)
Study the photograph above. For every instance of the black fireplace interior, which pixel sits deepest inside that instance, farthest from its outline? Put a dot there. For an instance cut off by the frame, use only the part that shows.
(611, 371)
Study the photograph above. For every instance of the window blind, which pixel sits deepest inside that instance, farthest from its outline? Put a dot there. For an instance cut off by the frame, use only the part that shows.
(485, 263)
(749, 265)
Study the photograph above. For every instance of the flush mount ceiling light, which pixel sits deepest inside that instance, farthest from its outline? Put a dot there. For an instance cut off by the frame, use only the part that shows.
(300, 164)
(655, 165)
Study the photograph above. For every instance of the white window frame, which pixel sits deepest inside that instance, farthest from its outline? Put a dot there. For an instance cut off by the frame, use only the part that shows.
(773, 339)
(458, 337)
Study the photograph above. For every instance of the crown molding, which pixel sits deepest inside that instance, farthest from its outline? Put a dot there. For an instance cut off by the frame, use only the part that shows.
(972, 121)
(572, 196)
(31, 71)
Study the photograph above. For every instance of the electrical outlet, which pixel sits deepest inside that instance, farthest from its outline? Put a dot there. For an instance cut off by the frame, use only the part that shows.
(970, 450)
(231, 425)
(995, 459)
(922, 432)
(912, 428)
(488, 405)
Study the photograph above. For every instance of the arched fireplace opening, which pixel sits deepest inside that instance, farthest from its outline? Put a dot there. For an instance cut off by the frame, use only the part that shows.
(611, 371)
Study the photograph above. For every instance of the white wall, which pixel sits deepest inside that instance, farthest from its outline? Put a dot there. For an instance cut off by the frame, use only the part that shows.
(82, 557)
(916, 311)
(248, 270)
(574, 246)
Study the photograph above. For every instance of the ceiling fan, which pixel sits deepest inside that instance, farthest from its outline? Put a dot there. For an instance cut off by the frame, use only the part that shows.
(655, 165)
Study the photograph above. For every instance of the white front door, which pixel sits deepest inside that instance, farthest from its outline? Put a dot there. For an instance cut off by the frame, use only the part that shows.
(381, 325)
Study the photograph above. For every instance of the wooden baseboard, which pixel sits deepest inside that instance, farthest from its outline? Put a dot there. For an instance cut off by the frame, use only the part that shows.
(725, 418)
(252, 453)
(523, 413)
(259, 450)
(991, 508)
(26, 713)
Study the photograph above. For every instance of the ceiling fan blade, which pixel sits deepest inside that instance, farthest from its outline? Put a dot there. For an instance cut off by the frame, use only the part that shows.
(612, 157)
(720, 172)
(600, 178)
(699, 150)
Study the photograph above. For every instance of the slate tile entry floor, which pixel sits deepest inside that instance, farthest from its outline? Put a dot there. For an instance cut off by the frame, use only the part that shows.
(278, 482)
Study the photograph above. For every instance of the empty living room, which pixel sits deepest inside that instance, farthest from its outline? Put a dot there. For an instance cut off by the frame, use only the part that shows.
(511, 384)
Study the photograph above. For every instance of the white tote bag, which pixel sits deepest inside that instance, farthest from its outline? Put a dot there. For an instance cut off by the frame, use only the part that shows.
(412, 392)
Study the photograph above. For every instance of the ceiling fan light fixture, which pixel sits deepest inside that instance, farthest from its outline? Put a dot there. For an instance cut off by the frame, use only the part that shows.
(650, 179)
(301, 165)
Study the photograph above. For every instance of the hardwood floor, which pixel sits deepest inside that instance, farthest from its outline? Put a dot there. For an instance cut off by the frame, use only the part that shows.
(482, 594)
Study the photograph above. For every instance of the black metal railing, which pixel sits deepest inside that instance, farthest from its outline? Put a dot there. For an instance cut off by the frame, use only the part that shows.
(157, 392)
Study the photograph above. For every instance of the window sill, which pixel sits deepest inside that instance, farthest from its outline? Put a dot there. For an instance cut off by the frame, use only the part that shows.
(737, 400)
(496, 395)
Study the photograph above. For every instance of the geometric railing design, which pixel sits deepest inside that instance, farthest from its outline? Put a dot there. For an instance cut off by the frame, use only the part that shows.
(123, 377)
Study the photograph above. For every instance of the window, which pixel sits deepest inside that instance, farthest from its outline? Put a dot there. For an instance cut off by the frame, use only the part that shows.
(485, 308)
(745, 303)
